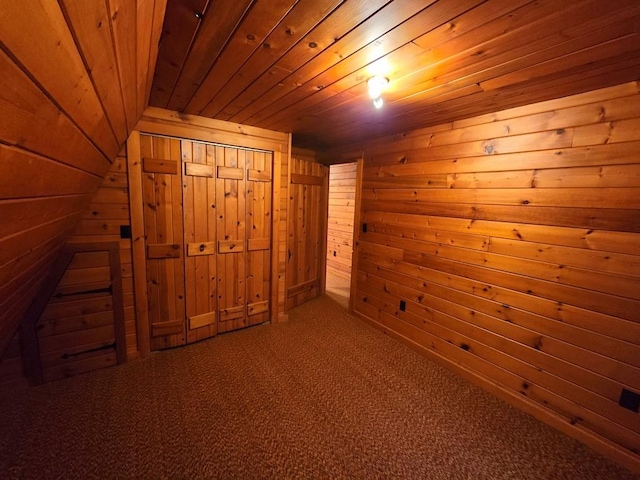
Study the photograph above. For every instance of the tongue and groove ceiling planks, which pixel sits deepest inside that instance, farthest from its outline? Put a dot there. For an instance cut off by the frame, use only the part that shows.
(302, 66)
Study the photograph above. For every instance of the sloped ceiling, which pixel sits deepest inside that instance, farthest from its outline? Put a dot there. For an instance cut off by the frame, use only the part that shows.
(75, 76)
(301, 66)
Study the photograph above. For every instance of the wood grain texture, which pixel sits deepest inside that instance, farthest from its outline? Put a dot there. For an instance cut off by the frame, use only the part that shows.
(342, 197)
(231, 201)
(89, 24)
(298, 22)
(84, 319)
(522, 297)
(218, 148)
(302, 66)
(199, 211)
(245, 41)
(163, 224)
(138, 254)
(259, 225)
(58, 69)
(214, 32)
(182, 23)
(88, 308)
(307, 213)
(67, 105)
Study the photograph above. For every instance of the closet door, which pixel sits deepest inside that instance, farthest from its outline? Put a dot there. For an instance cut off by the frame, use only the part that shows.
(199, 204)
(306, 244)
(207, 228)
(258, 187)
(162, 196)
(231, 237)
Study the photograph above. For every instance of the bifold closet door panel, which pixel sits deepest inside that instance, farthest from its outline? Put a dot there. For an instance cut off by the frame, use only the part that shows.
(306, 243)
(162, 195)
(258, 187)
(199, 206)
(231, 237)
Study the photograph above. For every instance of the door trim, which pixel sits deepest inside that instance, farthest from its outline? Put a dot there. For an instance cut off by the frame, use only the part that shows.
(356, 234)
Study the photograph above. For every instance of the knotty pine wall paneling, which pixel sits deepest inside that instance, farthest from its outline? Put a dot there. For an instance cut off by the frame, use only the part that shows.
(342, 198)
(108, 220)
(82, 326)
(69, 96)
(76, 331)
(513, 241)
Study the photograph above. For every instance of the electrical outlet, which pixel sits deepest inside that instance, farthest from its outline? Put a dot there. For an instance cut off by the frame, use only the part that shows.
(125, 231)
(630, 400)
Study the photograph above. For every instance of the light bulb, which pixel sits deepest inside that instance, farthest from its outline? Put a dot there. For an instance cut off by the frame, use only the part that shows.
(377, 86)
(377, 102)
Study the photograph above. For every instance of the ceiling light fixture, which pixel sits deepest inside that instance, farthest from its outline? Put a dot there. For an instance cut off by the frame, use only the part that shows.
(377, 85)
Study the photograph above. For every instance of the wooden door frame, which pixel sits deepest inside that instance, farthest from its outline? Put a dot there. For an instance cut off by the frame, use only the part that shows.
(356, 227)
(323, 239)
(276, 180)
(356, 234)
(166, 123)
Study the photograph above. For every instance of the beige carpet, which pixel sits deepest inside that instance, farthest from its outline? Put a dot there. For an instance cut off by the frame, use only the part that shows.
(322, 396)
(338, 287)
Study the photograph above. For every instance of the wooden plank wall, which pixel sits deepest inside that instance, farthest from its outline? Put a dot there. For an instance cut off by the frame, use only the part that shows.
(69, 96)
(107, 220)
(76, 331)
(342, 198)
(76, 323)
(507, 247)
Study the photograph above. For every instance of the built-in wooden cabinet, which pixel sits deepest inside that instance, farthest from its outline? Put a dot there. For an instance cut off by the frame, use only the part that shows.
(207, 206)
(206, 225)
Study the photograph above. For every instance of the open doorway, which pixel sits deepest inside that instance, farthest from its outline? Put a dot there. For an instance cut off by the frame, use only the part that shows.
(342, 203)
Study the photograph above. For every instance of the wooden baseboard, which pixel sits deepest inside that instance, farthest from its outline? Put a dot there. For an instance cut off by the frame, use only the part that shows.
(594, 441)
(133, 355)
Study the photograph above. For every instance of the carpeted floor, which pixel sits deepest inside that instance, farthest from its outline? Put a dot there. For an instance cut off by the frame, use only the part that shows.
(321, 396)
(338, 287)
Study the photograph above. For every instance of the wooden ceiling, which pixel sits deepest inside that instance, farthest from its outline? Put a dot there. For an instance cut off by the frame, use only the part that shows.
(301, 66)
